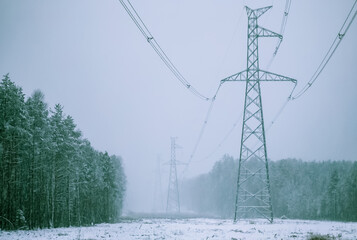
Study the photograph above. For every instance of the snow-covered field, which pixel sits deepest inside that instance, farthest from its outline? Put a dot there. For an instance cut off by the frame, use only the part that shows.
(196, 229)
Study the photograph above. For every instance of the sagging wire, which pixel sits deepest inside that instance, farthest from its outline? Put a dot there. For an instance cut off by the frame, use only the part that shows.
(224, 139)
(203, 127)
(342, 32)
(129, 8)
(282, 30)
(282, 108)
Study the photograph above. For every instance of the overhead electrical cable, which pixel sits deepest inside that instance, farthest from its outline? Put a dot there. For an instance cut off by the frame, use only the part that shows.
(327, 57)
(222, 61)
(224, 139)
(285, 19)
(237, 25)
(343, 30)
(239, 119)
(325, 60)
(203, 127)
(282, 30)
(277, 115)
(129, 8)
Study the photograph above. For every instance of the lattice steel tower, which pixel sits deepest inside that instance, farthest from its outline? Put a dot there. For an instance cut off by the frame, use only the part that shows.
(253, 197)
(173, 198)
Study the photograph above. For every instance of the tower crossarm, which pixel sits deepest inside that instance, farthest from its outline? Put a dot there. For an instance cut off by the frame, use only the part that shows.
(259, 75)
(256, 13)
(241, 76)
(268, 76)
(263, 32)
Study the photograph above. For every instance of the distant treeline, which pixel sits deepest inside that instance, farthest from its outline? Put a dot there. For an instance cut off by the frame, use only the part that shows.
(300, 190)
(49, 175)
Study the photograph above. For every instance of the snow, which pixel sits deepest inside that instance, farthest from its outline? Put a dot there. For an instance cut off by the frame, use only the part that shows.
(201, 228)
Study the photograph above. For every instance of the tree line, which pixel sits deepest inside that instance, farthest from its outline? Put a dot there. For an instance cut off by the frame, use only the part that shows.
(50, 175)
(300, 190)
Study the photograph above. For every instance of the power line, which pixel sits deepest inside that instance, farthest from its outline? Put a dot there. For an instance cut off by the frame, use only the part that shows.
(203, 127)
(285, 18)
(235, 124)
(325, 60)
(282, 30)
(331, 51)
(224, 139)
(129, 8)
(231, 41)
(282, 108)
(322, 65)
(221, 64)
(163, 56)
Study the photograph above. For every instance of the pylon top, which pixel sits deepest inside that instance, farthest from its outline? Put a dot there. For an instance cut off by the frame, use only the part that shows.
(256, 12)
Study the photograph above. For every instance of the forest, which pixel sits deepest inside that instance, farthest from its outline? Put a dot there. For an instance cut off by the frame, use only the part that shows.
(324, 190)
(50, 174)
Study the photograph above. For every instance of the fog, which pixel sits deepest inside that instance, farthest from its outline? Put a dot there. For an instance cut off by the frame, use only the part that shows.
(90, 57)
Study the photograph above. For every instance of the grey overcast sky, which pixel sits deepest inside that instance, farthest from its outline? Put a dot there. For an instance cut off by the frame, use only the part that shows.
(89, 56)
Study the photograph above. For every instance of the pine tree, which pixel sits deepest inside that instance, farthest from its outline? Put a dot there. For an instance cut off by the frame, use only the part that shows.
(39, 148)
(13, 136)
(332, 193)
(352, 194)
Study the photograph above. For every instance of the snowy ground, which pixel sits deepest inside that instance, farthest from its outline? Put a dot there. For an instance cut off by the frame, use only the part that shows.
(196, 229)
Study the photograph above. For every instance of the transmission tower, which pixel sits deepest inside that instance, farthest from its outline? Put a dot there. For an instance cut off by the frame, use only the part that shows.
(173, 199)
(253, 198)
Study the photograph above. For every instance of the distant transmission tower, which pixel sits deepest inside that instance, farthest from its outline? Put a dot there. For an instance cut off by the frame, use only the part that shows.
(173, 198)
(253, 198)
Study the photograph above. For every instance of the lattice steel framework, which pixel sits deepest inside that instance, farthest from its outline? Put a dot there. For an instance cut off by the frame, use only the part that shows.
(253, 198)
(173, 198)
